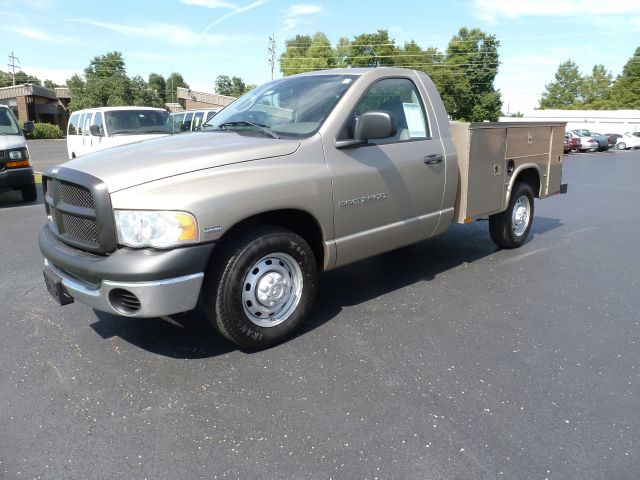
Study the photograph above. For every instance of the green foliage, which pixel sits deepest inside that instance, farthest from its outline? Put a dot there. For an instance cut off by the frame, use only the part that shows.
(158, 84)
(106, 84)
(472, 61)
(597, 91)
(43, 131)
(565, 91)
(174, 81)
(21, 78)
(233, 87)
(464, 75)
(625, 92)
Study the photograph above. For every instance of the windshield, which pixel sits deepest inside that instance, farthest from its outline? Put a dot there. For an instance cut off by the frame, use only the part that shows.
(8, 125)
(138, 122)
(291, 107)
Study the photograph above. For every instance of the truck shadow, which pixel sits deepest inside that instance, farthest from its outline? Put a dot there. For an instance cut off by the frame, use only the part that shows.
(188, 338)
(13, 199)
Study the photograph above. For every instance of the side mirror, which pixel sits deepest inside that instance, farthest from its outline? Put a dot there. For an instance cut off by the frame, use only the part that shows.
(95, 130)
(28, 127)
(370, 126)
(375, 124)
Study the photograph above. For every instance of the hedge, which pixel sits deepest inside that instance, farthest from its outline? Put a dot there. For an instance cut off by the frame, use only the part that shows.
(44, 131)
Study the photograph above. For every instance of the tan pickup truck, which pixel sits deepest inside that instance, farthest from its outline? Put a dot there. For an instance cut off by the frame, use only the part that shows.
(301, 175)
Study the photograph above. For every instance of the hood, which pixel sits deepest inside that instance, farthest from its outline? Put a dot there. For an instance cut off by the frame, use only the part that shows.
(11, 141)
(134, 164)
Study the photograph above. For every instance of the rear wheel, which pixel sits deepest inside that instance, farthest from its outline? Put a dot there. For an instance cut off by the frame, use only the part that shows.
(261, 288)
(510, 229)
(29, 193)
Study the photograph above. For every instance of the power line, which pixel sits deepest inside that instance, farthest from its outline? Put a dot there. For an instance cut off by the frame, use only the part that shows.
(272, 53)
(12, 67)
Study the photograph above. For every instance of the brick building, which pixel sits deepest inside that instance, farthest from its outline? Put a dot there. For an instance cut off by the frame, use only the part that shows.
(37, 103)
(190, 100)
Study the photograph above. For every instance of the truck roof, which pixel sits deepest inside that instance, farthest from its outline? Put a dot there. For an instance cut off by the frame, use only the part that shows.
(359, 71)
(110, 109)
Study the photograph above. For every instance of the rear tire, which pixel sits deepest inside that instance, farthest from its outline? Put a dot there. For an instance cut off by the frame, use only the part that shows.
(510, 229)
(261, 287)
(29, 193)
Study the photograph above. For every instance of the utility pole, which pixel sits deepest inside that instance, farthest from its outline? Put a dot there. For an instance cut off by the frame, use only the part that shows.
(272, 52)
(12, 67)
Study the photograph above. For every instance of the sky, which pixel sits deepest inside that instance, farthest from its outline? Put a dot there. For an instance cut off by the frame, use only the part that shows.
(202, 39)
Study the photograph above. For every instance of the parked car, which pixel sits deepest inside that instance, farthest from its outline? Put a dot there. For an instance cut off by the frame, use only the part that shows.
(575, 141)
(95, 129)
(628, 141)
(613, 138)
(567, 145)
(16, 172)
(587, 142)
(190, 120)
(603, 141)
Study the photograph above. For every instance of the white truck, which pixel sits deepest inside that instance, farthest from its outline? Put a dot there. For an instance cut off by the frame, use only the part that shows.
(301, 175)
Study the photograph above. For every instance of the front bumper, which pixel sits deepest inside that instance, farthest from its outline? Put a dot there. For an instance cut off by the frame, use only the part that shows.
(161, 282)
(11, 178)
(155, 299)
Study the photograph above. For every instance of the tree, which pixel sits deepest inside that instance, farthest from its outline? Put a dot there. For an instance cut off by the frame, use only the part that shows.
(107, 84)
(174, 81)
(472, 66)
(50, 84)
(464, 76)
(294, 58)
(372, 50)
(565, 91)
(159, 85)
(595, 87)
(625, 92)
(233, 87)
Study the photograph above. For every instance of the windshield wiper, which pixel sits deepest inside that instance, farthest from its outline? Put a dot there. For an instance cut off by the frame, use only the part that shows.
(263, 128)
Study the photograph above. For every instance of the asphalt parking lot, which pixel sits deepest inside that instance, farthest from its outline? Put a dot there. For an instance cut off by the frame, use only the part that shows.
(447, 359)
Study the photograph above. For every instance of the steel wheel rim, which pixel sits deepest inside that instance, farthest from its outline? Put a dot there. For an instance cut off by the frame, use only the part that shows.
(272, 289)
(521, 215)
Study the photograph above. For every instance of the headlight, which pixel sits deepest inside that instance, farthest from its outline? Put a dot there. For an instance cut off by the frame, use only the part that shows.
(18, 154)
(161, 229)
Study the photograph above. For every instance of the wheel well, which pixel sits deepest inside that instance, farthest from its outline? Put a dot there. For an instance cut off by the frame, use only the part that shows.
(298, 221)
(531, 177)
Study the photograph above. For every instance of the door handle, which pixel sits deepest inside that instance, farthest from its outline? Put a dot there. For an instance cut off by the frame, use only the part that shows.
(433, 159)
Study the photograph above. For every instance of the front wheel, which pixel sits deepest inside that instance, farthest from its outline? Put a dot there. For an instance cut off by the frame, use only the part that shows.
(510, 229)
(622, 146)
(262, 288)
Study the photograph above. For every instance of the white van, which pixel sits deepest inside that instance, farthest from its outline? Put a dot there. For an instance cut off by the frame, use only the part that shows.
(99, 128)
(190, 120)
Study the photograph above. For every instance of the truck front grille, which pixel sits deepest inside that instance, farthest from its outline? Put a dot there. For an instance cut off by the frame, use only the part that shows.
(75, 195)
(80, 210)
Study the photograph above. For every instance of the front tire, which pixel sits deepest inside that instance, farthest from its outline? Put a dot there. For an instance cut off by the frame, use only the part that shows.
(261, 288)
(510, 229)
(622, 146)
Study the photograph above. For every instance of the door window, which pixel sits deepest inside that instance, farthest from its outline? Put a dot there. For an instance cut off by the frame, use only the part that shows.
(73, 124)
(87, 123)
(99, 121)
(399, 97)
(81, 123)
(197, 120)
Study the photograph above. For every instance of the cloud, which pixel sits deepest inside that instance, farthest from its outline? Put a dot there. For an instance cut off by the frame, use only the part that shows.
(297, 13)
(165, 32)
(495, 11)
(40, 35)
(210, 4)
(233, 13)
